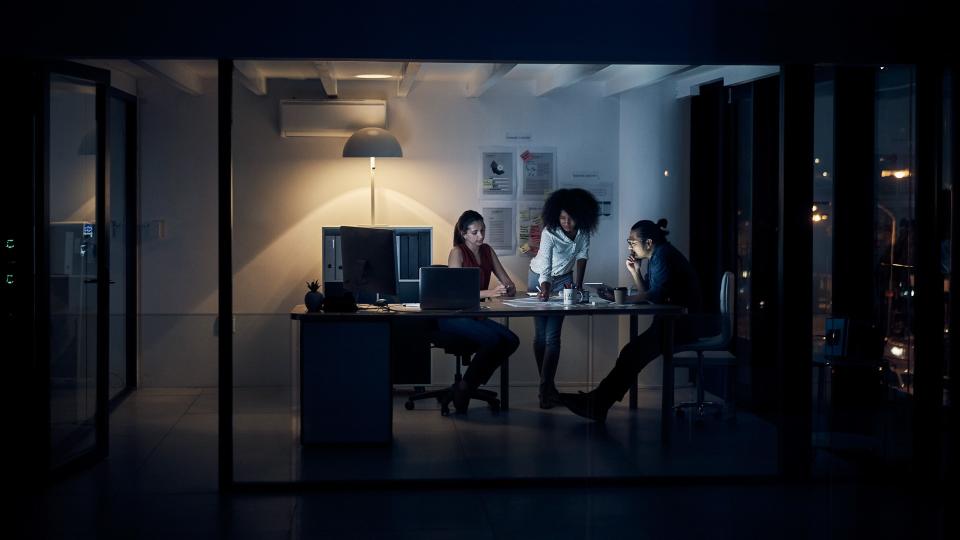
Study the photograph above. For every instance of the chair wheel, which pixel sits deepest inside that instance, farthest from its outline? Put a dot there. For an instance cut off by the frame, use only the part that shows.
(409, 405)
(444, 410)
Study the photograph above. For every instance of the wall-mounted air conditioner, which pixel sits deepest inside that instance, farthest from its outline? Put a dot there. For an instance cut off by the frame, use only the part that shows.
(330, 117)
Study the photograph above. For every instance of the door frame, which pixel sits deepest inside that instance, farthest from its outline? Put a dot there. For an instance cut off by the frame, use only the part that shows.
(41, 183)
(131, 263)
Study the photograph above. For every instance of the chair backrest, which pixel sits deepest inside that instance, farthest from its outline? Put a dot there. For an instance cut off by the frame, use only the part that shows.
(726, 307)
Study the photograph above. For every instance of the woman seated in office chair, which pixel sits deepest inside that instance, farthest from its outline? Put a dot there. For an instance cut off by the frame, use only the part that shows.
(493, 341)
(570, 216)
(670, 279)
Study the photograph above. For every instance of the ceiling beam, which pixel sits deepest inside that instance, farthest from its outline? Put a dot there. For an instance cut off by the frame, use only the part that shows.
(327, 77)
(251, 77)
(174, 73)
(563, 76)
(689, 83)
(408, 74)
(640, 76)
(485, 77)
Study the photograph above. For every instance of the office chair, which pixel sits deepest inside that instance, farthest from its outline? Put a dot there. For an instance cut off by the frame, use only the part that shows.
(463, 354)
(691, 355)
(444, 396)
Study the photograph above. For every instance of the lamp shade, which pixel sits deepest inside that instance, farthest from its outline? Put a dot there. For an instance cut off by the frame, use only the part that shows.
(372, 142)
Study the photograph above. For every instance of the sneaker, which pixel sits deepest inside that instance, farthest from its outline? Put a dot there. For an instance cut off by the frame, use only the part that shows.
(585, 405)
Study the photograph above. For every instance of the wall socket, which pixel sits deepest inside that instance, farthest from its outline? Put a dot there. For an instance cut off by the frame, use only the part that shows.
(155, 229)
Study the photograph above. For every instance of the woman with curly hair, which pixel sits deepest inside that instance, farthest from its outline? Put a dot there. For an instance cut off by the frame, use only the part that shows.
(569, 216)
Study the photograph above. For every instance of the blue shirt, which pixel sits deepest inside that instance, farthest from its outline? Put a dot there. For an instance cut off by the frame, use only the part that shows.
(671, 279)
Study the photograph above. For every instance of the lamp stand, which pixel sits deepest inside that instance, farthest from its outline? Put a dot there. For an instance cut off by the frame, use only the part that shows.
(373, 173)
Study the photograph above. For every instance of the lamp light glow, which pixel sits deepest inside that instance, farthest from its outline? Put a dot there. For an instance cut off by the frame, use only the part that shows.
(372, 142)
(898, 174)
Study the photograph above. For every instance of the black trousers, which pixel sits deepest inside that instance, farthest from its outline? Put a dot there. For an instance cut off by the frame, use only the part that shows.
(635, 356)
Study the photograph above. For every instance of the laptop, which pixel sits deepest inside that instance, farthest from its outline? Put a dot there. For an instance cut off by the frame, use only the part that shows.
(449, 288)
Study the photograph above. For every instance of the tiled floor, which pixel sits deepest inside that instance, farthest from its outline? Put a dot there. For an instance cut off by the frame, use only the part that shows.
(524, 442)
(160, 481)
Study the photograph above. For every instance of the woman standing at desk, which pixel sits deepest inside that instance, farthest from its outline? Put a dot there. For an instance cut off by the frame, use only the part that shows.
(493, 341)
(569, 218)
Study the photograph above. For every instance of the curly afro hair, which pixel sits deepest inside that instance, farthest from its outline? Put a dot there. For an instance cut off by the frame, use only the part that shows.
(579, 203)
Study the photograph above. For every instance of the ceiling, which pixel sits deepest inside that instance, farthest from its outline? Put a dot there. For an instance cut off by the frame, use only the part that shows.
(476, 78)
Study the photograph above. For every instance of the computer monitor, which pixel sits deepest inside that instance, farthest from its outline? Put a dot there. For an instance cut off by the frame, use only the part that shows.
(369, 262)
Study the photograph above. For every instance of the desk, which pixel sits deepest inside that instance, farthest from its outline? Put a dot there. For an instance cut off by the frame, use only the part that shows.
(355, 348)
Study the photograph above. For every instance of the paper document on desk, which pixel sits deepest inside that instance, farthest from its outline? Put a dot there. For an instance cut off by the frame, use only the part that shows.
(530, 300)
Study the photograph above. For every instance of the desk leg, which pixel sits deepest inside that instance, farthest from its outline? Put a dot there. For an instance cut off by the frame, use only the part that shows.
(633, 387)
(589, 352)
(505, 377)
(666, 399)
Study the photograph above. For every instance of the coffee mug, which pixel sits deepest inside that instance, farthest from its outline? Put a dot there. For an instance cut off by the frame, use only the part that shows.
(619, 295)
(567, 296)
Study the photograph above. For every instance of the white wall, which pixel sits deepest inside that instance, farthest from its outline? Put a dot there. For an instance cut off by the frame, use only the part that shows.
(178, 185)
(286, 190)
(654, 137)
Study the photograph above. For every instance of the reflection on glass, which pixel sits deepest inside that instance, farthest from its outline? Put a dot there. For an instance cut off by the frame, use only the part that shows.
(895, 223)
(73, 268)
(743, 114)
(821, 212)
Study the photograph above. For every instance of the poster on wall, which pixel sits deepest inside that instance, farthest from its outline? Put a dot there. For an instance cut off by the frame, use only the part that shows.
(603, 191)
(529, 227)
(500, 222)
(538, 172)
(498, 173)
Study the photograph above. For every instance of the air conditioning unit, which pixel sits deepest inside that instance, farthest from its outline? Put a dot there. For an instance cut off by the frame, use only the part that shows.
(330, 117)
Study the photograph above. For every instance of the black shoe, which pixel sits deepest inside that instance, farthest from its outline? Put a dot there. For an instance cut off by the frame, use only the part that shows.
(461, 399)
(550, 399)
(585, 405)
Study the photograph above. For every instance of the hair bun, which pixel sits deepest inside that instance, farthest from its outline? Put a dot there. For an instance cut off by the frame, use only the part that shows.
(662, 223)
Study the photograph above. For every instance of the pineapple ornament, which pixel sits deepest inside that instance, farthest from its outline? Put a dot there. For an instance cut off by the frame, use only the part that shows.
(314, 298)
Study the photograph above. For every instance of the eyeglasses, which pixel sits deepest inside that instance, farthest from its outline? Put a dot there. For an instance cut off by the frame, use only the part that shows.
(633, 243)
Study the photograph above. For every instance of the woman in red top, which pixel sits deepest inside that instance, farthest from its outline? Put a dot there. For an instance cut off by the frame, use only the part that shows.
(493, 341)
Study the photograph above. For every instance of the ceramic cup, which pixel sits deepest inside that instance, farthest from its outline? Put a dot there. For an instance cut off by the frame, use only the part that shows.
(619, 295)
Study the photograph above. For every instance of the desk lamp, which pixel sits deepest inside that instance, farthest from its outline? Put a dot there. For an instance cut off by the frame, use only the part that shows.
(372, 142)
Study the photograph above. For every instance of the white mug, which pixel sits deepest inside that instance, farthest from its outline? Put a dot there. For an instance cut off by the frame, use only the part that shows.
(567, 296)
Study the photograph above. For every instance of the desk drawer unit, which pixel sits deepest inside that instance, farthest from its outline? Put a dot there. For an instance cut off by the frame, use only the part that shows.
(345, 392)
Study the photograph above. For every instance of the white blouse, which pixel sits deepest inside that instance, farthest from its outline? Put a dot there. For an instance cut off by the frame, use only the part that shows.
(557, 253)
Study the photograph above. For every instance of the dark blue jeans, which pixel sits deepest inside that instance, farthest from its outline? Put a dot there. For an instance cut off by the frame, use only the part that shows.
(546, 340)
(493, 342)
(636, 355)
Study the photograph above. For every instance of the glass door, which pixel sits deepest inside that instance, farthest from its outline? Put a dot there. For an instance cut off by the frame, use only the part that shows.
(75, 254)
